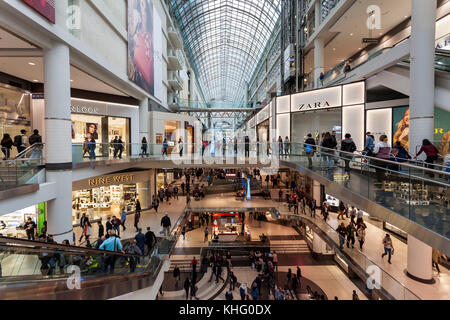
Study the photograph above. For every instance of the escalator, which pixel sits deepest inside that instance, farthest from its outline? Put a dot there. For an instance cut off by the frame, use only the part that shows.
(413, 198)
(34, 270)
(31, 270)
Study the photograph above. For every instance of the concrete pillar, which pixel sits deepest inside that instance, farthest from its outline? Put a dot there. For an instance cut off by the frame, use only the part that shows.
(144, 194)
(144, 120)
(423, 30)
(58, 140)
(419, 265)
(317, 14)
(319, 60)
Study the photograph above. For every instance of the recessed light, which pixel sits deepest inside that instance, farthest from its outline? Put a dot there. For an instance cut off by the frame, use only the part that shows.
(334, 49)
(359, 48)
(35, 80)
(351, 34)
(31, 63)
(71, 80)
(381, 33)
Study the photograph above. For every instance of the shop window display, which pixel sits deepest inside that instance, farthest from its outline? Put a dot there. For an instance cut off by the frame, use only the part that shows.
(14, 113)
(98, 203)
(316, 123)
(11, 225)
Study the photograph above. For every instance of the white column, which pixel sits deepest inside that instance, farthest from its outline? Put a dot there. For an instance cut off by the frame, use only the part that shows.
(144, 194)
(317, 14)
(144, 120)
(319, 60)
(58, 139)
(423, 30)
(419, 260)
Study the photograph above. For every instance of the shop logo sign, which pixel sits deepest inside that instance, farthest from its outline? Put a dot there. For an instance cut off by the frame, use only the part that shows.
(119, 179)
(89, 110)
(316, 105)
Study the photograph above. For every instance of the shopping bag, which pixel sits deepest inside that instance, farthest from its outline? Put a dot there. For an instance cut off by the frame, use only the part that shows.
(161, 230)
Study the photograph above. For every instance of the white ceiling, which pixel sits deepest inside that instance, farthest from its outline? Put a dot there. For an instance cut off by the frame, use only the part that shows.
(354, 22)
(19, 67)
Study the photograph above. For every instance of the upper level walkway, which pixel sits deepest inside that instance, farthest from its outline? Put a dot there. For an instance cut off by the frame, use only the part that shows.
(411, 197)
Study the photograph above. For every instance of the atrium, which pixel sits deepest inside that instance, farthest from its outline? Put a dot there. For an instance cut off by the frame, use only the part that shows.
(212, 150)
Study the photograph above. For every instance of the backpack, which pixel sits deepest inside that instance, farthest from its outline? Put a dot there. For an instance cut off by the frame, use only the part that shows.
(308, 149)
(17, 141)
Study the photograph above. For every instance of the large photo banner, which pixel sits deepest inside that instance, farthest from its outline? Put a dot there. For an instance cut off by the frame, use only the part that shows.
(140, 44)
(45, 7)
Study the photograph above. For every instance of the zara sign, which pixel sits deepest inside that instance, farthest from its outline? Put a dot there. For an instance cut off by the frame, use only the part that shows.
(317, 99)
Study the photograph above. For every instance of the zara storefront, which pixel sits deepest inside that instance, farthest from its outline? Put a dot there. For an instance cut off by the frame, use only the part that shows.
(340, 109)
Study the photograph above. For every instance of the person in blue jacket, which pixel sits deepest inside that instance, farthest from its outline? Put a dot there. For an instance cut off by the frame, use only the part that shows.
(124, 218)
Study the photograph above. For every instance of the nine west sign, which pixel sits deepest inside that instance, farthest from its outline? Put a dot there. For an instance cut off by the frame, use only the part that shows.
(317, 99)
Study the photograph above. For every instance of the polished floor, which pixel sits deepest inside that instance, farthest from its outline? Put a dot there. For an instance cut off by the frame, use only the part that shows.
(372, 248)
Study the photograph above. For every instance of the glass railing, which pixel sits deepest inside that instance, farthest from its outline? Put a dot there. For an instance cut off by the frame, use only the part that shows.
(381, 279)
(416, 193)
(14, 173)
(326, 8)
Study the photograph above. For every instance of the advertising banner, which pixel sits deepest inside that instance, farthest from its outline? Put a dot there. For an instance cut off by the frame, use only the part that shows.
(45, 7)
(140, 44)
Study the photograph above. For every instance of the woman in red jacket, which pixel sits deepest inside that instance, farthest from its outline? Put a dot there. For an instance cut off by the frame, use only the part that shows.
(431, 152)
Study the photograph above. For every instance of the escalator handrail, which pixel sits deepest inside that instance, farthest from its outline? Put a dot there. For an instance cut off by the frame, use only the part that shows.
(14, 243)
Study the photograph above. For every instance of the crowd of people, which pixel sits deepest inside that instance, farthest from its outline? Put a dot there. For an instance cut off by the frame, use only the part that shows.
(21, 142)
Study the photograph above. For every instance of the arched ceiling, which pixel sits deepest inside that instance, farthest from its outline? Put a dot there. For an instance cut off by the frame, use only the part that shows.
(226, 39)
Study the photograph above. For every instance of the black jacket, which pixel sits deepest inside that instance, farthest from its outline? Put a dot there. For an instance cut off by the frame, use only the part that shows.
(328, 143)
(150, 238)
(348, 145)
(312, 142)
(165, 221)
(35, 138)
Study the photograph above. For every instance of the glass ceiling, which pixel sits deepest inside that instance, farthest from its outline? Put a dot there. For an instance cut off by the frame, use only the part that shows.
(226, 39)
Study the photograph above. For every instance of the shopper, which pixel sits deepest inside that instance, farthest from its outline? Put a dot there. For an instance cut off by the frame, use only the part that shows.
(388, 247)
(166, 224)
(431, 152)
(325, 209)
(86, 233)
(361, 234)
(229, 295)
(30, 229)
(254, 292)
(348, 146)
(150, 240)
(116, 225)
(243, 291)
(401, 154)
(140, 240)
(280, 146)
(124, 218)
(233, 281)
(275, 261)
(120, 147)
(436, 256)
(341, 210)
(247, 146)
(187, 286)
(355, 295)
(101, 230)
(21, 141)
(165, 147)
(206, 238)
(369, 145)
(137, 217)
(7, 145)
(342, 231)
(310, 148)
(180, 147)
(328, 144)
(133, 249)
(287, 147)
(382, 151)
(111, 244)
(109, 225)
(91, 147)
(351, 235)
(144, 147)
(35, 138)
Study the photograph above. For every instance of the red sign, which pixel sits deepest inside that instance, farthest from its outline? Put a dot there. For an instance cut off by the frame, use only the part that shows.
(45, 7)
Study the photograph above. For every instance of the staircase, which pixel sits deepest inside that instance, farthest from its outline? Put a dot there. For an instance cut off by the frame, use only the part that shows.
(205, 290)
(289, 246)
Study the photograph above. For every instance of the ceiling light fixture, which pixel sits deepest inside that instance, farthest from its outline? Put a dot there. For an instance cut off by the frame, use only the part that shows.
(351, 34)
(31, 63)
(35, 80)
